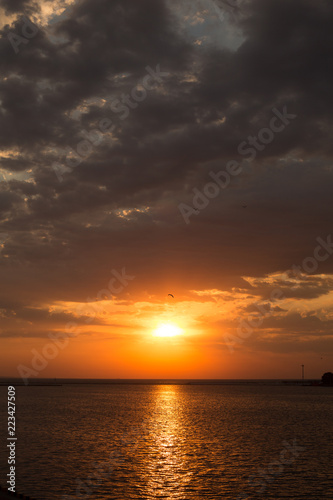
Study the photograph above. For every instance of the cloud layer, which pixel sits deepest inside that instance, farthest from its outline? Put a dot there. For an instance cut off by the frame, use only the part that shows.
(76, 203)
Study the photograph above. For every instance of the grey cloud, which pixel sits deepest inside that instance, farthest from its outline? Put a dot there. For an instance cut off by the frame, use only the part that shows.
(67, 235)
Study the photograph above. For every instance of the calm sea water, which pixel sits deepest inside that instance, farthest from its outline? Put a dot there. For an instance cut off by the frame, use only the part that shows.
(172, 441)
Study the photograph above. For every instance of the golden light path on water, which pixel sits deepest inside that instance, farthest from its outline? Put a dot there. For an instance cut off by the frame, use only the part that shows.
(179, 442)
(166, 459)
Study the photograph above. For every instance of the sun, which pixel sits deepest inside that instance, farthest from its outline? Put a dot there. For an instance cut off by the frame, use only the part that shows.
(167, 330)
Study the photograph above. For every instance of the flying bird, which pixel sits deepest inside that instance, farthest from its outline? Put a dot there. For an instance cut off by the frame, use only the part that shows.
(170, 294)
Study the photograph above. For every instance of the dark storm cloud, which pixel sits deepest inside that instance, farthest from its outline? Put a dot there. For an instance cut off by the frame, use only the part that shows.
(31, 321)
(19, 6)
(267, 306)
(7, 200)
(15, 164)
(307, 287)
(296, 324)
(36, 315)
(67, 234)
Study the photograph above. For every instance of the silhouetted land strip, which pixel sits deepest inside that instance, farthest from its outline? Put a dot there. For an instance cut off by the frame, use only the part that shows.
(226, 382)
(31, 384)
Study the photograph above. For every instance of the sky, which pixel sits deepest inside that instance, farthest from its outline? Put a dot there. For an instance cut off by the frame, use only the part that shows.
(162, 147)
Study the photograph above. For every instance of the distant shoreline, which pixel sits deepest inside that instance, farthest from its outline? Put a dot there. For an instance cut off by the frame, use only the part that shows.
(222, 382)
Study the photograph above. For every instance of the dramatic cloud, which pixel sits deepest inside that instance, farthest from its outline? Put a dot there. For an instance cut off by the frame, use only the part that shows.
(112, 114)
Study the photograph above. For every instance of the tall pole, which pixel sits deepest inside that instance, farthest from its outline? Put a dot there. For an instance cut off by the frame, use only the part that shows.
(302, 374)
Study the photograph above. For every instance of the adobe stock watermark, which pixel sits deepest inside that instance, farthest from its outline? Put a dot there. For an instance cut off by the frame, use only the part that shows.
(60, 340)
(275, 468)
(28, 31)
(138, 93)
(309, 265)
(249, 149)
(123, 107)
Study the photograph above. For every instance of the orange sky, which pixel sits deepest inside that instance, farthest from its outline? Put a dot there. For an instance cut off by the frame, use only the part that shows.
(205, 334)
(167, 147)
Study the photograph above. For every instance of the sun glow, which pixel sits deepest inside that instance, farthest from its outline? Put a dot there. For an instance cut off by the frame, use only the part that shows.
(167, 330)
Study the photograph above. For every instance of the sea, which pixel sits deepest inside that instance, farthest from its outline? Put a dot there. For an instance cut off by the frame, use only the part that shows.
(184, 440)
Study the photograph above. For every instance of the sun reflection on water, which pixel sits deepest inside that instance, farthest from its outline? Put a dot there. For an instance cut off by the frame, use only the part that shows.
(166, 470)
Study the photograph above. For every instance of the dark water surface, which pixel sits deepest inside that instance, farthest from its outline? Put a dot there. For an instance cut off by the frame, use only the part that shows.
(172, 442)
